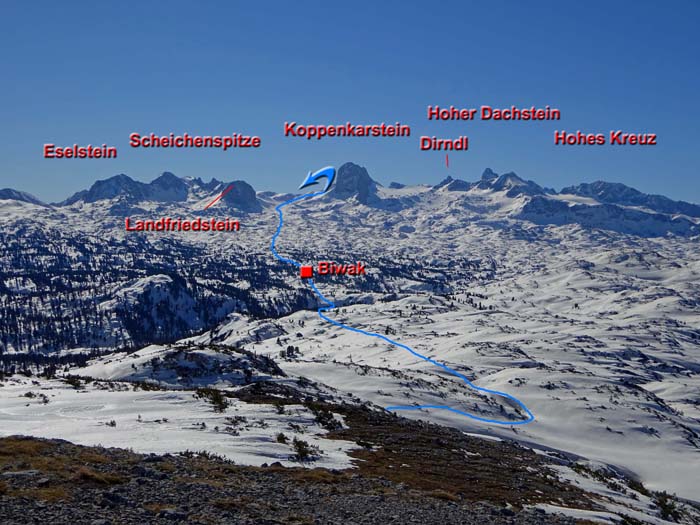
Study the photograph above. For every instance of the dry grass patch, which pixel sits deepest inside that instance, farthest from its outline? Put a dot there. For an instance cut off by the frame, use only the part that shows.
(60, 466)
(233, 504)
(15, 447)
(155, 508)
(89, 456)
(299, 520)
(166, 466)
(434, 461)
(318, 475)
(92, 476)
(201, 481)
(444, 495)
(50, 494)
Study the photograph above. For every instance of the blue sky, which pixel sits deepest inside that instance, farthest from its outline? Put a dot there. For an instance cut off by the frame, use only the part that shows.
(93, 72)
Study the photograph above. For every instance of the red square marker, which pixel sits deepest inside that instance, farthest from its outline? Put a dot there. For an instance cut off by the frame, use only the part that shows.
(307, 272)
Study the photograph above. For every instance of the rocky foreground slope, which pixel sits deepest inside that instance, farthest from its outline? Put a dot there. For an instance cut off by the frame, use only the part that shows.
(68, 484)
(400, 471)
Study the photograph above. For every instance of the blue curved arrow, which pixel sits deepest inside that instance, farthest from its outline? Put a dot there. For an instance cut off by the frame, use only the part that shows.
(330, 305)
(312, 178)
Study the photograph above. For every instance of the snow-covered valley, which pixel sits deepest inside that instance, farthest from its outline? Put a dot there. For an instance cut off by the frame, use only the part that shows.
(589, 314)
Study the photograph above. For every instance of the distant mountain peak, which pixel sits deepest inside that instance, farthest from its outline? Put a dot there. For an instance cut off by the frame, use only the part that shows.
(354, 181)
(110, 188)
(507, 181)
(459, 185)
(209, 186)
(620, 194)
(242, 196)
(14, 195)
(489, 175)
(167, 177)
(510, 182)
(168, 188)
(443, 182)
(450, 184)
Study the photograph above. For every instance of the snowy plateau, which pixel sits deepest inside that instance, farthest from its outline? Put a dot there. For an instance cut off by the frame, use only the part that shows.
(583, 303)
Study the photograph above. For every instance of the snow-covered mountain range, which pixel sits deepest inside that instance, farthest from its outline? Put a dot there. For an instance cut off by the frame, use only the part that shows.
(196, 282)
(584, 303)
(604, 205)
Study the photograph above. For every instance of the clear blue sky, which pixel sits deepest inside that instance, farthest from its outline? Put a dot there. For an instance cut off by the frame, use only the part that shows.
(92, 72)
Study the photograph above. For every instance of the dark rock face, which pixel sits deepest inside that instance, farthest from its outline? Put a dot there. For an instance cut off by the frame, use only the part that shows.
(459, 185)
(487, 180)
(354, 181)
(453, 184)
(168, 188)
(242, 197)
(443, 182)
(111, 188)
(489, 175)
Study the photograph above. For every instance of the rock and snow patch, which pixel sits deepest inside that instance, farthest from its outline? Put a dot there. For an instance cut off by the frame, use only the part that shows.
(184, 366)
(115, 414)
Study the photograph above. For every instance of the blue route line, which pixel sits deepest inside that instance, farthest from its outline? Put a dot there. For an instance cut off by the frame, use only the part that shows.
(330, 306)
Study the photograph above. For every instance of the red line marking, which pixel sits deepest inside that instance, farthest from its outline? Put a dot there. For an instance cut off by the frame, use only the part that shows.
(447, 160)
(219, 197)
